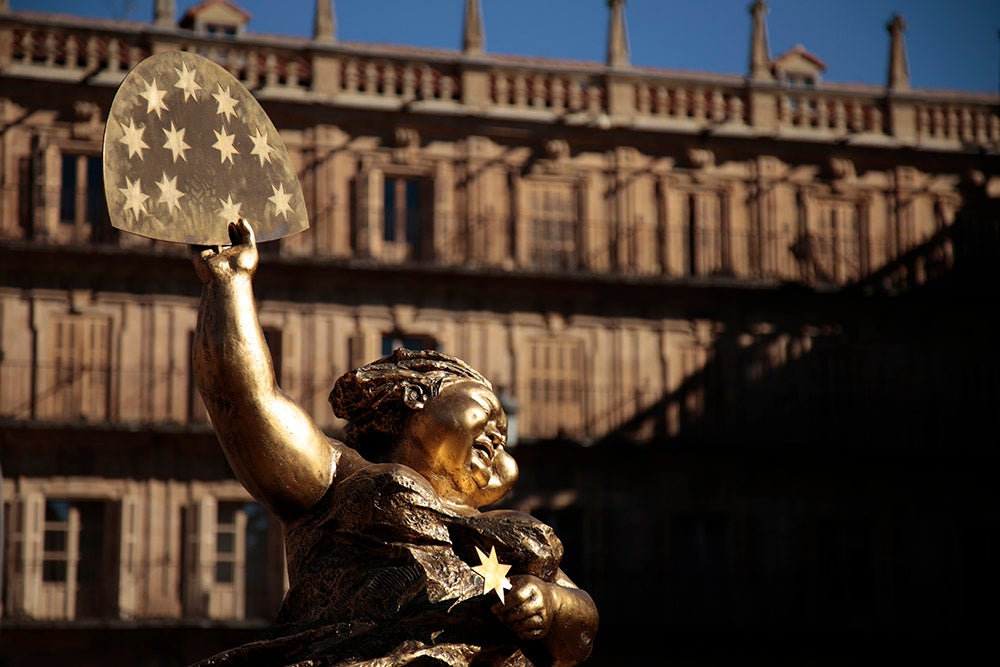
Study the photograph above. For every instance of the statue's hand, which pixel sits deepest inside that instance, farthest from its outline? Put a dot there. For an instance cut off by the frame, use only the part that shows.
(214, 263)
(529, 607)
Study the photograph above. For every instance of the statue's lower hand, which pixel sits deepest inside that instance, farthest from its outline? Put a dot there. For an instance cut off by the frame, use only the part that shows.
(215, 263)
(528, 608)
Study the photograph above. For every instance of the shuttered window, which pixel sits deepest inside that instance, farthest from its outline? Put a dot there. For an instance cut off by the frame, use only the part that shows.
(555, 406)
(554, 243)
(79, 381)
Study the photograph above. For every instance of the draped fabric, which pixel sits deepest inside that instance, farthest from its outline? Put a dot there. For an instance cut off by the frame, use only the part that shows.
(380, 575)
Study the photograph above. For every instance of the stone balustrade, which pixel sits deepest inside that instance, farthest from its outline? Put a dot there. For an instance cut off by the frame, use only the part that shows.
(52, 47)
(970, 122)
(256, 66)
(64, 52)
(831, 112)
(402, 80)
(704, 103)
(556, 91)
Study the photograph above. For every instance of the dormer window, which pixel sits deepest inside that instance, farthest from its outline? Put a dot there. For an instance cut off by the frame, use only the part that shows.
(798, 68)
(217, 18)
(799, 80)
(220, 29)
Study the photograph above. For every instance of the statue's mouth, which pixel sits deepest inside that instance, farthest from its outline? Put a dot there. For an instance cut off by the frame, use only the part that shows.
(485, 449)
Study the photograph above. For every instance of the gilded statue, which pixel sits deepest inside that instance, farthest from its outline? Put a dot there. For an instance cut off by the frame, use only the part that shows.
(387, 541)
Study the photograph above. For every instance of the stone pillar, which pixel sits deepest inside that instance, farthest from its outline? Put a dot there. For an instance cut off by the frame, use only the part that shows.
(902, 111)
(618, 55)
(475, 77)
(472, 34)
(325, 66)
(763, 96)
(164, 13)
(324, 24)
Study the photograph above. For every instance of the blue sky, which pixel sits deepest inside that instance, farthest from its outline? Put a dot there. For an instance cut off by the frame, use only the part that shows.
(952, 44)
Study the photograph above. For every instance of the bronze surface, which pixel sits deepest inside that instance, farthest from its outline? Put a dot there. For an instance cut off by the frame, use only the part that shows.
(390, 559)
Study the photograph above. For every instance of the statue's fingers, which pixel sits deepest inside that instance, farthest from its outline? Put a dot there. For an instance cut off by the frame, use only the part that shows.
(533, 633)
(517, 614)
(240, 232)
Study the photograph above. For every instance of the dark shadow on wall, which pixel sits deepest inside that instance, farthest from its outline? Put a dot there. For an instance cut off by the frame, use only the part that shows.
(822, 490)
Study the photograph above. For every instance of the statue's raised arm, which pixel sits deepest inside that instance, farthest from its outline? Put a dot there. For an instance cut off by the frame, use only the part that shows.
(274, 447)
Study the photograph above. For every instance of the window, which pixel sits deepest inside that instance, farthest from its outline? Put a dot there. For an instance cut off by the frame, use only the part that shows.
(79, 381)
(835, 244)
(555, 376)
(56, 552)
(232, 560)
(221, 29)
(77, 578)
(553, 226)
(226, 532)
(83, 213)
(242, 562)
(406, 221)
(703, 234)
(395, 341)
(799, 80)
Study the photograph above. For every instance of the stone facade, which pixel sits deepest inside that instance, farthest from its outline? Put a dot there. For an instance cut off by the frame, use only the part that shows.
(678, 277)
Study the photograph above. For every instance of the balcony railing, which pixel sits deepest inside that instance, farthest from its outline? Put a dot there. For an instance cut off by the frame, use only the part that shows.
(100, 52)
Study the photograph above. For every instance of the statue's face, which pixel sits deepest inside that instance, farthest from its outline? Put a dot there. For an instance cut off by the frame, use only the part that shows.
(457, 441)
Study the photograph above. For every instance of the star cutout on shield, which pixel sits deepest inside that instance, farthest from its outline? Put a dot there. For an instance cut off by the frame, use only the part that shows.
(154, 99)
(280, 200)
(175, 142)
(133, 138)
(224, 145)
(261, 148)
(187, 82)
(493, 572)
(227, 103)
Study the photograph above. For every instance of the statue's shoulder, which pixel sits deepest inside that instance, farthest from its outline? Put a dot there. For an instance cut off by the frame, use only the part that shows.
(391, 481)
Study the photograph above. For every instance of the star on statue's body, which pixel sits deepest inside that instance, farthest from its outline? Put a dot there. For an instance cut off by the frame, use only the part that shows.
(175, 142)
(493, 572)
(230, 211)
(261, 148)
(280, 199)
(133, 138)
(169, 194)
(224, 144)
(227, 104)
(135, 198)
(154, 99)
(187, 82)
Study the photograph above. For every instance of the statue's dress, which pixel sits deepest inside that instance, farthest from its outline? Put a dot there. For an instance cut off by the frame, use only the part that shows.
(380, 575)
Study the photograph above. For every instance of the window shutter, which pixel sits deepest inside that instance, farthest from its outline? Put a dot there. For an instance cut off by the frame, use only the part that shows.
(240, 578)
(368, 193)
(357, 355)
(14, 559)
(199, 550)
(128, 545)
(33, 533)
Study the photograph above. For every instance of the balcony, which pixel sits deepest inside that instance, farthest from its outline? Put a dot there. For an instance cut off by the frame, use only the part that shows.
(50, 47)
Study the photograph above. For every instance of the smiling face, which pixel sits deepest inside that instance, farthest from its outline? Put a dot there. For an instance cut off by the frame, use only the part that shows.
(457, 441)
